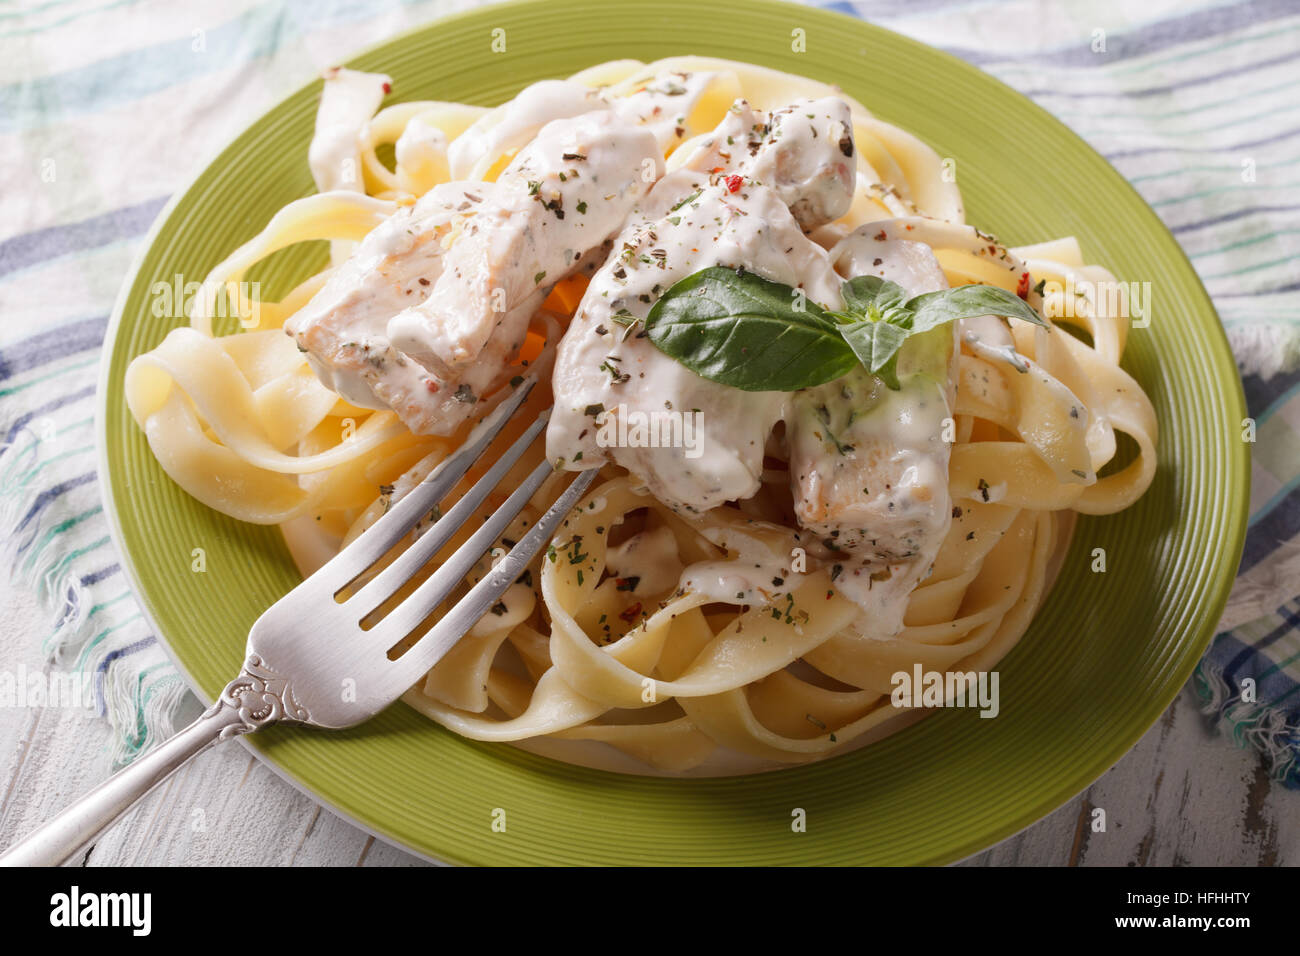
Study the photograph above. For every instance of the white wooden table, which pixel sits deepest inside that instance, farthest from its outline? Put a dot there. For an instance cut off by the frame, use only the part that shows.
(1181, 796)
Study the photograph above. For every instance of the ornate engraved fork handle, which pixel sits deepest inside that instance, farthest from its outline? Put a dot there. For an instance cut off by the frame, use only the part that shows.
(255, 699)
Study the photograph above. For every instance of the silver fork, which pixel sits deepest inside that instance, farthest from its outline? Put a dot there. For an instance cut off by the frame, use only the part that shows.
(291, 675)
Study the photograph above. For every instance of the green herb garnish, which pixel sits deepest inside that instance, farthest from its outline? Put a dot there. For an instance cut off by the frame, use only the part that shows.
(740, 329)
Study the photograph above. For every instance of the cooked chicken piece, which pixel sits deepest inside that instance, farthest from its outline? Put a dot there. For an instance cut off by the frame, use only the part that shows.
(565, 193)
(608, 370)
(672, 107)
(552, 212)
(869, 466)
(512, 125)
(344, 326)
(677, 106)
(803, 152)
(809, 159)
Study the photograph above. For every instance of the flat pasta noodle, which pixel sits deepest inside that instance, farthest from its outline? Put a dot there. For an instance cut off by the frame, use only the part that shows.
(578, 654)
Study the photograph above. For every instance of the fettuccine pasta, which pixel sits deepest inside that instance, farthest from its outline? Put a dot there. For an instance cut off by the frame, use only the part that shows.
(747, 606)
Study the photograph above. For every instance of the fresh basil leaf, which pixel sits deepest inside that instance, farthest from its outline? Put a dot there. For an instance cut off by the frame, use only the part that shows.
(888, 373)
(739, 329)
(867, 292)
(967, 301)
(897, 315)
(876, 344)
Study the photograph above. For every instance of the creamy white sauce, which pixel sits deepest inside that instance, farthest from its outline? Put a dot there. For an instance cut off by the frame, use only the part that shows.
(421, 153)
(512, 125)
(868, 465)
(705, 213)
(566, 192)
(665, 106)
(347, 102)
(758, 566)
(647, 561)
(343, 328)
(436, 301)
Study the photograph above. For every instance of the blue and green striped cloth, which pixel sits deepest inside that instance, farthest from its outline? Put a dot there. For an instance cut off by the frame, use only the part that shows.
(107, 106)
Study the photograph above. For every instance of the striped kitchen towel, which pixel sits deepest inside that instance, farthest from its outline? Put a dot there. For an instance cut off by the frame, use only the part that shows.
(107, 108)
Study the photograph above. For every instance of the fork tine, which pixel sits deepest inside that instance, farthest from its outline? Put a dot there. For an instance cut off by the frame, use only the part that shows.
(431, 647)
(439, 585)
(427, 545)
(373, 543)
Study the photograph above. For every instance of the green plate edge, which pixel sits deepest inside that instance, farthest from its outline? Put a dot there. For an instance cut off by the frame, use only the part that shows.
(1103, 659)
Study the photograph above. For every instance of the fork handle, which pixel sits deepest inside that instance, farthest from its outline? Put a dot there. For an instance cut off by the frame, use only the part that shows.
(246, 704)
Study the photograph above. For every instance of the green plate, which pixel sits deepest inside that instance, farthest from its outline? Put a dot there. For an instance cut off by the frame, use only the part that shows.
(1103, 659)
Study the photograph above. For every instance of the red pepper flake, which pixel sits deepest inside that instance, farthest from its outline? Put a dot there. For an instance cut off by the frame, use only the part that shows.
(431, 385)
(734, 183)
(631, 612)
(880, 236)
(1022, 287)
(717, 169)
(910, 227)
(388, 88)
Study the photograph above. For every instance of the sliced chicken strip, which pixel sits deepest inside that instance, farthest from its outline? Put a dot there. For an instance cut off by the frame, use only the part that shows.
(868, 465)
(565, 193)
(510, 126)
(667, 106)
(608, 370)
(803, 152)
(807, 158)
(677, 106)
(343, 328)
